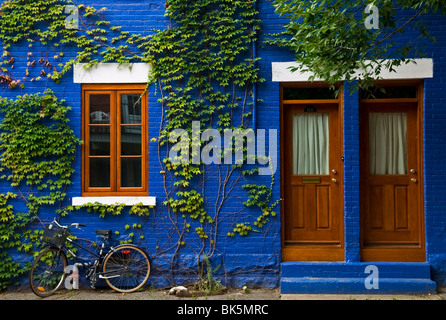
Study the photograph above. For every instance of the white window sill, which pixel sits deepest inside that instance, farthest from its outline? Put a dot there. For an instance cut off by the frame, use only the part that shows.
(128, 201)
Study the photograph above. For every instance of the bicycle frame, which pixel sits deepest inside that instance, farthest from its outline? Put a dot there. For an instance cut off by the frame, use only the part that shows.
(98, 258)
(97, 255)
(91, 273)
(126, 262)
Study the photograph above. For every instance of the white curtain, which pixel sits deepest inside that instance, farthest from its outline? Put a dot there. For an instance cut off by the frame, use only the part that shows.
(310, 144)
(388, 143)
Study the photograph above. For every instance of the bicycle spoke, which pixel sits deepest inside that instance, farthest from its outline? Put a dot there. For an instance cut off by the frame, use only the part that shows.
(47, 272)
(126, 269)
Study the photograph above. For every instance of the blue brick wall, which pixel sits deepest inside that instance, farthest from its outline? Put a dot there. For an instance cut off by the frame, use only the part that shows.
(255, 259)
(252, 260)
(435, 153)
(351, 175)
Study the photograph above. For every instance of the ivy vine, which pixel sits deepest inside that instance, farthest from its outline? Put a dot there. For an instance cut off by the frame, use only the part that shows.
(203, 69)
(37, 151)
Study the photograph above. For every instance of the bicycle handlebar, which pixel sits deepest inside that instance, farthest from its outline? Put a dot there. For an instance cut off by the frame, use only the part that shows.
(76, 225)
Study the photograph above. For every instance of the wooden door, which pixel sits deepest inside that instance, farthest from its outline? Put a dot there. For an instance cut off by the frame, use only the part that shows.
(391, 214)
(313, 203)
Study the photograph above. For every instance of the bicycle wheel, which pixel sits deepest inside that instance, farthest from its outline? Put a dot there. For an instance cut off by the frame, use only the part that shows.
(126, 268)
(47, 272)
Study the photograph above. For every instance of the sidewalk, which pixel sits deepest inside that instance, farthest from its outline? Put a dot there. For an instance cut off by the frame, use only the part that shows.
(230, 295)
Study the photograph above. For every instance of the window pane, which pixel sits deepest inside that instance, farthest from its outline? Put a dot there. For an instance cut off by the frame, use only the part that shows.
(99, 172)
(131, 141)
(99, 109)
(131, 172)
(310, 144)
(390, 92)
(130, 109)
(309, 93)
(388, 143)
(99, 140)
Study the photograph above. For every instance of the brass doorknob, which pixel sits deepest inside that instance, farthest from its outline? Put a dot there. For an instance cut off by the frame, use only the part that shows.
(334, 180)
(414, 180)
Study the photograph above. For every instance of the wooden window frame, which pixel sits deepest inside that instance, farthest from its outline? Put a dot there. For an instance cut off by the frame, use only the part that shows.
(115, 188)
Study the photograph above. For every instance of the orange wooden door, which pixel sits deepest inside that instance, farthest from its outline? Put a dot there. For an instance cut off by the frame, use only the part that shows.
(313, 204)
(391, 214)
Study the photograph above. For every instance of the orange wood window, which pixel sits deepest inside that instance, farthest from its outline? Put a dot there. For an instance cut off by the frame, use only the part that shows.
(114, 153)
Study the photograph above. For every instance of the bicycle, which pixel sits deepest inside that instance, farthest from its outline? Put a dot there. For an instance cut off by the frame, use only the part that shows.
(125, 268)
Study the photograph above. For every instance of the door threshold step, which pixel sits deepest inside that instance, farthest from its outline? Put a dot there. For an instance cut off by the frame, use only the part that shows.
(356, 278)
(356, 286)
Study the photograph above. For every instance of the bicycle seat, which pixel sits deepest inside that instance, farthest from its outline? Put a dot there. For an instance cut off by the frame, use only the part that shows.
(102, 232)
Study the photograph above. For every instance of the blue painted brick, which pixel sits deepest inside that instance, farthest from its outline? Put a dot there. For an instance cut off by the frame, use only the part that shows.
(256, 259)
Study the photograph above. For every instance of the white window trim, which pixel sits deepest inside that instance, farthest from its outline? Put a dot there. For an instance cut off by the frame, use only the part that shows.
(111, 73)
(128, 201)
(421, 69)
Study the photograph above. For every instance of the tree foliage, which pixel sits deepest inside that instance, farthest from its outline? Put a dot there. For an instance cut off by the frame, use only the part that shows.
(331, 40)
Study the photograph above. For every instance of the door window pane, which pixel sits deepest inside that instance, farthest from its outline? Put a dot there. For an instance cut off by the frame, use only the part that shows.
(309, 93)
(310, 144)
(388, 143)
(390, 92)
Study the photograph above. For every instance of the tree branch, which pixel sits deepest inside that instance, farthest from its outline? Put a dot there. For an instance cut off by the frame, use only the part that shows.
(398, 29)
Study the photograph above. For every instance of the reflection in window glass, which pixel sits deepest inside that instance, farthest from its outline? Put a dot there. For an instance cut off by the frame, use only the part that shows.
(130, 109)
(99, 109)
(99, 140)
(390, 92)
(131, 140)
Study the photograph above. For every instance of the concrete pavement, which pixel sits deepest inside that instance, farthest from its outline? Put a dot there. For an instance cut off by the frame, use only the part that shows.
(232, 294)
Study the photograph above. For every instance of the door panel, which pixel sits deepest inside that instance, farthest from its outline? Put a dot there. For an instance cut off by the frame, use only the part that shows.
(312, 183)
(391, 218)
